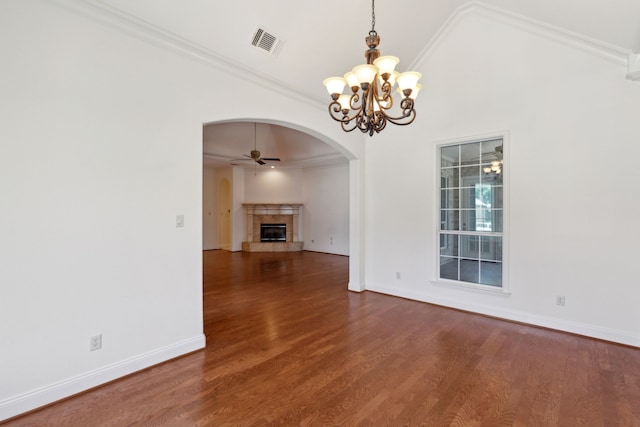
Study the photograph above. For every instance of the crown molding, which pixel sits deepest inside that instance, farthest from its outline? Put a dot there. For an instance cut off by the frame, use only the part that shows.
(633, 67)
(596, 47)
(159, 37)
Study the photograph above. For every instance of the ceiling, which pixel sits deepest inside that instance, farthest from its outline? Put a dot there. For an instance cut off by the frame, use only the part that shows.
(226, 144)
(307, 30)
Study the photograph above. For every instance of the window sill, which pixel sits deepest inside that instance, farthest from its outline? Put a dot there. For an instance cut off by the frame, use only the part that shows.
(485, 289)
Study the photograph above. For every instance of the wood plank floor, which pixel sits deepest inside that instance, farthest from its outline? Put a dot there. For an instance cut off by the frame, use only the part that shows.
(288, 345)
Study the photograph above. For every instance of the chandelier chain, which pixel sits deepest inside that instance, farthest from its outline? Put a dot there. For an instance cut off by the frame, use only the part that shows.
(373, 15)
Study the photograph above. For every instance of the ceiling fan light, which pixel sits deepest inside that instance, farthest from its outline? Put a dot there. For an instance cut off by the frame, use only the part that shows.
(386, 64)
(334, 85)
(365, 73)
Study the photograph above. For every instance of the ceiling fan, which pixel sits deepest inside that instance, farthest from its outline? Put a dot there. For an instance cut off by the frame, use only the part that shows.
(495, 169)
(255, 155)
(497, 154)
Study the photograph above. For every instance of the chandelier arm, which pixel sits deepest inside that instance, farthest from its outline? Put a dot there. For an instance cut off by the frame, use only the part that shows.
(353, 101)
(382, 121)
(335, 109)
(346, 128)
(409, 115)
(385, 90)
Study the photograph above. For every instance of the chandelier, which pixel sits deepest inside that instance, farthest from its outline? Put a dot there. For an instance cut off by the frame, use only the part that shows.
(368, 106)
(493, 172)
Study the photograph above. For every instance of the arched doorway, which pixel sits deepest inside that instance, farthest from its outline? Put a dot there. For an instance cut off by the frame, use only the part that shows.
(217, 154)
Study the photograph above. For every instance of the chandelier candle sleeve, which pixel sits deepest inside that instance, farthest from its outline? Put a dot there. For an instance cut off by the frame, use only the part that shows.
(408, 80)
(386, 65)
(335, 85)
(370, 105)
(365, 73)
(352, 81)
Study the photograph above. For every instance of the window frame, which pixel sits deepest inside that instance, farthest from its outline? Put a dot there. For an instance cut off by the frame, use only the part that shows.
(485, 288)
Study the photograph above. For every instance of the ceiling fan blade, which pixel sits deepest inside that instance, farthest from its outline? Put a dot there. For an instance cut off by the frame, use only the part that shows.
(260, 162)
(271, 159)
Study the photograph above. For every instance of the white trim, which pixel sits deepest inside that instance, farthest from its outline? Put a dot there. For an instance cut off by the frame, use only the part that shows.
(45, 395)
(633, 67)
(563, 325)
(569, 38)
(475, 287)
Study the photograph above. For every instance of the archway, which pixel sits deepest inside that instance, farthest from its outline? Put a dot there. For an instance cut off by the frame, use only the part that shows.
(350, 148)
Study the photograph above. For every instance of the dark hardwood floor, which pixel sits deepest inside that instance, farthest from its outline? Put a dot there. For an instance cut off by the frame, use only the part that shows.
(288, 345)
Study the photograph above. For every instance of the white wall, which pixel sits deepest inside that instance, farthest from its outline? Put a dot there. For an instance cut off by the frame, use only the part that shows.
(210, 212)
(324, 192)
(273, 185)
(100, 149)
(326, 209)
(574, 130)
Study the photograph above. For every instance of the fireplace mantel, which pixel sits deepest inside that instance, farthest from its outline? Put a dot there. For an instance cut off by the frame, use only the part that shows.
(265, 213)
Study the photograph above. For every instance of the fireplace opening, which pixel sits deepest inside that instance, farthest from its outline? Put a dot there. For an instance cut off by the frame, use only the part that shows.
(273, 232)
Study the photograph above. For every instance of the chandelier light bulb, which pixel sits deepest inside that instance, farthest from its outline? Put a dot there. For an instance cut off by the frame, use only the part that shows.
(352, 79)
(414, 92)
(365, 73)
(386, 64)
(344, 101)
(408, 80)
(334, 85)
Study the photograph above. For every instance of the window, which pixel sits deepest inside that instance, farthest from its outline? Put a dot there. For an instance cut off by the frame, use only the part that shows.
(471, 212)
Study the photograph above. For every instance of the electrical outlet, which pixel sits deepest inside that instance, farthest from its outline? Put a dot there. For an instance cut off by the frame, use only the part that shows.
(95, 343)
(398, 275)
(179, 221)
(560, 300)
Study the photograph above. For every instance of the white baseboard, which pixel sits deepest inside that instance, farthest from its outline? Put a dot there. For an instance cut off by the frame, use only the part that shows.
(19, 404)
(588, 330)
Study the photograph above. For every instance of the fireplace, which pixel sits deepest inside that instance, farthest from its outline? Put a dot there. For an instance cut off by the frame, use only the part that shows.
(273, 232)
(273, 227)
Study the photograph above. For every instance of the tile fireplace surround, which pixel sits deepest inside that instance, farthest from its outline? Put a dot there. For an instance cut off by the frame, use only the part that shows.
(272, 213)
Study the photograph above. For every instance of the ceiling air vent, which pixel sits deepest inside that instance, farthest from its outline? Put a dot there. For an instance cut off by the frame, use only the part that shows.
(266, 42)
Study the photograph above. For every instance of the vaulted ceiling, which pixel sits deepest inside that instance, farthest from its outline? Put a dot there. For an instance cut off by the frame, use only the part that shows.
(325, 38)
